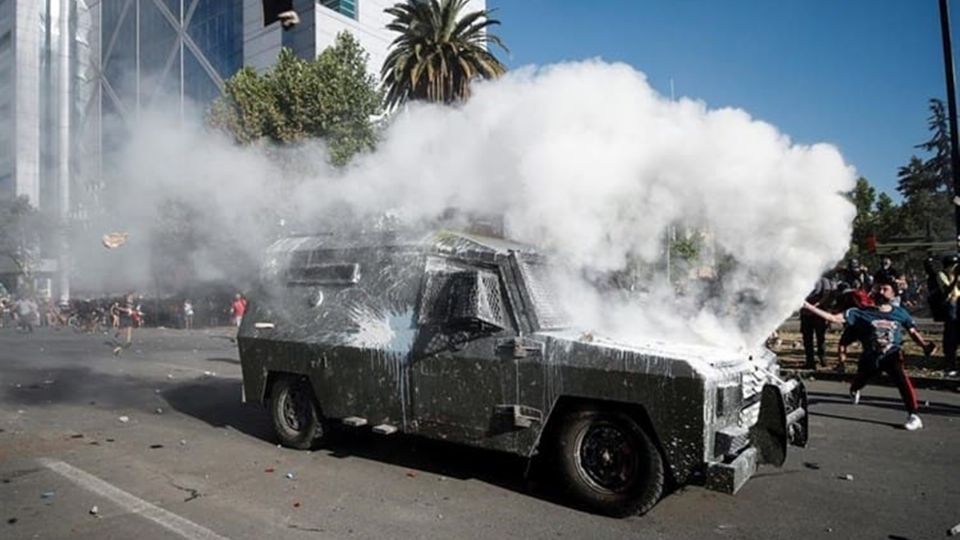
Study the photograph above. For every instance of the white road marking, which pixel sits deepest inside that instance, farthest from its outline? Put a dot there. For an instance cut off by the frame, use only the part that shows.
(135, 505)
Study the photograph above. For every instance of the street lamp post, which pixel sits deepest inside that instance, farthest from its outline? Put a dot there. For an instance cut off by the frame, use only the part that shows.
(952, 111)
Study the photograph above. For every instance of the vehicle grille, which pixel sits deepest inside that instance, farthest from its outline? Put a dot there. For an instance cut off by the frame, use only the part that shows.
(753, 380)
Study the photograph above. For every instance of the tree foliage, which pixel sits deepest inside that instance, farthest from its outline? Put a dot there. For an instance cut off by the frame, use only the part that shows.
(926, 187)
(332, 97)
(23, 232)
(439, 51)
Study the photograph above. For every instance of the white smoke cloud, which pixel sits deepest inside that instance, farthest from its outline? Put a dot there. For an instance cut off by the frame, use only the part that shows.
(584, 159)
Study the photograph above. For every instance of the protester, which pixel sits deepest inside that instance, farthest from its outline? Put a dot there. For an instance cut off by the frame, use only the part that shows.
(5, 310)
(115, 315)
(187, 314)
(880, 333)
(814, 327)
(129, 316)
(237, 309)
(887, 273)
(25, 310)
(948, 288)
(856, 276)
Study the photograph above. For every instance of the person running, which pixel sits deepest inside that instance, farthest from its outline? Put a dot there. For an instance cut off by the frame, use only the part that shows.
(880, 332)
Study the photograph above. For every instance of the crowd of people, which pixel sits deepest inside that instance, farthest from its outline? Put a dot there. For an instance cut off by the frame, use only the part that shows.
(874, 310)
(26, 313)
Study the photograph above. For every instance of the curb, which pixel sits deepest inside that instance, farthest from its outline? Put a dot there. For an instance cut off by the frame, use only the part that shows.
(927, 383)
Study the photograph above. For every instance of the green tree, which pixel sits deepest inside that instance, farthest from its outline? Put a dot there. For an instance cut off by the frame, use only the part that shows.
(936, 171)
(332, 97)
(439, 51)
(927, 185)
(23, 233)
(863, 197)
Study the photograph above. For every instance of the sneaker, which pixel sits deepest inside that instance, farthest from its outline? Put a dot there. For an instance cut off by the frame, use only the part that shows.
(913, 423)
(855, 397)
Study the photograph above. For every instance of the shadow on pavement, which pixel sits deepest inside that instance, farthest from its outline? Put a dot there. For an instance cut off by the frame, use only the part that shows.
(455, 461)
(217, 402)
(233, 361)
(933, 408)
(855, 419)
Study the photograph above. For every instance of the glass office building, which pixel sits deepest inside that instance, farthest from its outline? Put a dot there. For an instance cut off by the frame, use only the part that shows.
(167, 50)
(152, 54)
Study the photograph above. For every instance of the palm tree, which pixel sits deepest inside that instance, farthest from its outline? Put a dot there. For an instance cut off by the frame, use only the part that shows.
(438, 52)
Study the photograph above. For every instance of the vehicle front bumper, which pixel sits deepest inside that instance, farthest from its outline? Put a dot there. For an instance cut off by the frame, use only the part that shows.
(782, 421)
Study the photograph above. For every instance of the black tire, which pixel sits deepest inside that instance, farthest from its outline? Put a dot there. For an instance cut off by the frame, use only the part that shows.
(608, 463)
(296, 420)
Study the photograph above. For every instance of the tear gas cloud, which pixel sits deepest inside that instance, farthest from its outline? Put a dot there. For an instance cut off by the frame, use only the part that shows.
(584, 159)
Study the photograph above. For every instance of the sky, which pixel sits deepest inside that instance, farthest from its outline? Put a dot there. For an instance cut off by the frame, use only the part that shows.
(854, 73)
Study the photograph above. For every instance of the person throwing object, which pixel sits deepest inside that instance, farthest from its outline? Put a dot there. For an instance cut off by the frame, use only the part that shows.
(880, 331)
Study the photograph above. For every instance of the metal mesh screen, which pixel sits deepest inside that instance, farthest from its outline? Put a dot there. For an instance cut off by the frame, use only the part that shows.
(477, 296)
(542, 288)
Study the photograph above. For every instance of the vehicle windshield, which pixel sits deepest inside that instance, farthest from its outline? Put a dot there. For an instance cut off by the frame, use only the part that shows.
(541, 282)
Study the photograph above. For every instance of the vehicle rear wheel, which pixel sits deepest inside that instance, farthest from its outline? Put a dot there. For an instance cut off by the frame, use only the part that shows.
(296, 420)
(608, 463)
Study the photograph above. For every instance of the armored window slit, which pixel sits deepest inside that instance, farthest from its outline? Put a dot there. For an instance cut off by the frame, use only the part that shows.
(323, 274)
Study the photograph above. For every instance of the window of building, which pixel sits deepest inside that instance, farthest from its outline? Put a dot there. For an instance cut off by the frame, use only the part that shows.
(343, 7)
(273, 8)
(5, 40)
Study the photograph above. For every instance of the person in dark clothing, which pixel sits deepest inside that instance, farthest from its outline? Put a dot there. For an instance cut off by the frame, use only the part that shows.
(887, 273)
(880, 332)
(856, 276)
(814, 328)
(948, 289)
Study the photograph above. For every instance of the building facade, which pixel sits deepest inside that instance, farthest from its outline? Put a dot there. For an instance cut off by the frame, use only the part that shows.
(320, 22)
(75, 73)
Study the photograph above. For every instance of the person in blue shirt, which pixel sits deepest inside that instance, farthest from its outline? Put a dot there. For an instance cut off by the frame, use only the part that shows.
(880, 331)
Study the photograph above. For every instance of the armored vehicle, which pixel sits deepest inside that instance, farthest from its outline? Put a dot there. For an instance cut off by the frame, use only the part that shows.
(459, 337)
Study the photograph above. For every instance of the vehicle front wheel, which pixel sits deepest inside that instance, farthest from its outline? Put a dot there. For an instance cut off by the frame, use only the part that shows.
(608, 463)
(296, 420)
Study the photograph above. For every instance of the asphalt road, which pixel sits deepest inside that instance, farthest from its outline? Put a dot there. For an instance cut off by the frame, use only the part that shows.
(191, 461)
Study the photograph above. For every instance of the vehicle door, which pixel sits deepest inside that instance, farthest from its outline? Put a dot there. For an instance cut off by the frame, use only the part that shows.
(459, 381)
